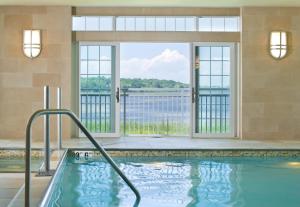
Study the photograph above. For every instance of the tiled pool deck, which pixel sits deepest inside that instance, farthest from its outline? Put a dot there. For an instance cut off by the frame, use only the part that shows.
(161, 143)
(12, 185)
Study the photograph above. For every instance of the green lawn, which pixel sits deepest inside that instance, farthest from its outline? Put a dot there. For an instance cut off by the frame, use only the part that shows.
(162, 128)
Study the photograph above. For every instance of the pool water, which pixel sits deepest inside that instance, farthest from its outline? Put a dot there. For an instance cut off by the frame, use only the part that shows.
(179, 182)
(17, 164)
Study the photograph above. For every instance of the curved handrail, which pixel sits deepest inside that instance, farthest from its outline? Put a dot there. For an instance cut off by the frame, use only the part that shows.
(89, 136)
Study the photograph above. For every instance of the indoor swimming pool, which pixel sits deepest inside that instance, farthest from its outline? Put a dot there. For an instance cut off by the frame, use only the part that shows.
(177, 181)
(13, 161)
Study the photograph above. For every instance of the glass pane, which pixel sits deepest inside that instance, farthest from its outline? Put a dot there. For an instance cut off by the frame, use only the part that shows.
(92, 23)
(83, 67)
(150, 24)
(204, 68)
(190, 24)
(78, 23)
(140, 23)
(205, 24)
(226, 53)
(93, 67)
(105, 52)
(216, 53)
(226, 68)
(204, 53)
(216, 67)
(105, 67)
(105, 82)
(93, 52)
(216, 81)
(180, 24)
(83, 82)
(231, 24)
(218, 24)
(83, 52)
(204, 81)
(120, 23)
(92, 83)
(226, 82)
(160, 24)
(130, 23)
(106, 23)
(170, 24)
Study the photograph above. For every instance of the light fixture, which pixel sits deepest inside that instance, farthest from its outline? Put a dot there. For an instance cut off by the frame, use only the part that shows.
(294, 164)
(32, 43)
(278, 44)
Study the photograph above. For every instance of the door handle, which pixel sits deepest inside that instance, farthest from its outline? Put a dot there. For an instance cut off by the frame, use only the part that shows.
(193, 95)
(118, 95)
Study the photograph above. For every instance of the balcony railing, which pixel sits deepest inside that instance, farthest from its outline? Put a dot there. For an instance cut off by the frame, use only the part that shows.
(213, 113)
(156, 112)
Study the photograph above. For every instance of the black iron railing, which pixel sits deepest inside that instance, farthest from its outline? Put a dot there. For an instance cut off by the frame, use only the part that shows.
(156, 111)
(213, 114)
(96, 111)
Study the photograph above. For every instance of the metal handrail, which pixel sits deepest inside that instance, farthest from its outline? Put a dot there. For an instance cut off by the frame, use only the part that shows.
(89, 136)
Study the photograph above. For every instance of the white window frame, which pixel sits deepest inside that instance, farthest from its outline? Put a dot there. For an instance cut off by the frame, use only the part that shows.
(196, 20)
(116, 85)
(233, 91)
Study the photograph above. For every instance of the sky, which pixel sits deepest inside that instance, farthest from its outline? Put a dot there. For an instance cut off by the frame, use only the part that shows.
(165, 61)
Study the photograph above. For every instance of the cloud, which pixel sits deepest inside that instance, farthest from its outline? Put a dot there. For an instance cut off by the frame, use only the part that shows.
(169, 65)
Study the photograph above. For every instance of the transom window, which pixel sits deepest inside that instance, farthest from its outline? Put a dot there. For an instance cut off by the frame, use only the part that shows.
(93, 23)
(218, 24)
(157, 23)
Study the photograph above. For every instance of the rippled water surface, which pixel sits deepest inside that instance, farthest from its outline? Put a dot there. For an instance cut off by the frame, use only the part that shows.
(18, 164)
(181, 181)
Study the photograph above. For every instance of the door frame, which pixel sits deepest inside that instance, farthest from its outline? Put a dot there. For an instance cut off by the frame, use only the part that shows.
(115, 86)
(233, 90)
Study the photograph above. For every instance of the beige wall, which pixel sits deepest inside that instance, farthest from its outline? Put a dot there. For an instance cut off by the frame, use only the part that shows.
(22, 79)
(270, 97)
(158, 36)
(156, 11)
(270, 89)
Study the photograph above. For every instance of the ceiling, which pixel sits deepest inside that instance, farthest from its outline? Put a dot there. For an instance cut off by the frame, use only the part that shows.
(156, 3)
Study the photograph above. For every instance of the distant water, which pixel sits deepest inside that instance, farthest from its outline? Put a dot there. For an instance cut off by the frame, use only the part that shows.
(141, 108)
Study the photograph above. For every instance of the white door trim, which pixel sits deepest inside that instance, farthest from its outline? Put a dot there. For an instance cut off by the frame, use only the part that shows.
(115, 84)
(233, 91)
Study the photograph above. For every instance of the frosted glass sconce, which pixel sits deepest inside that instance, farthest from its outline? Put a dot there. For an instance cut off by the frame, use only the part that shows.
(32, 43)
(278, 44)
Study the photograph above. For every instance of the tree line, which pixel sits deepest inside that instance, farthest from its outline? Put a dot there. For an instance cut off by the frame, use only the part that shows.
(104, 83)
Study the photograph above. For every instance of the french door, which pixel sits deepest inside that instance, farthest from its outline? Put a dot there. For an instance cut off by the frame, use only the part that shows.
(213, 75)
(99, 87)
(213, 91)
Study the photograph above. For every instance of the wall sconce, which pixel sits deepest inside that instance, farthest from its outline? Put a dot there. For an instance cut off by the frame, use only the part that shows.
(32, 43)
(278, 44)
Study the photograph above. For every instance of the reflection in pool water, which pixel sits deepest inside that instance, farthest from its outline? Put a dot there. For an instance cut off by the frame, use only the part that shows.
(17, 164)
(180, 181)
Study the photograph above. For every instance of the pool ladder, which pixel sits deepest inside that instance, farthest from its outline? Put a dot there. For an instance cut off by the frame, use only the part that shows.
(88, 135)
